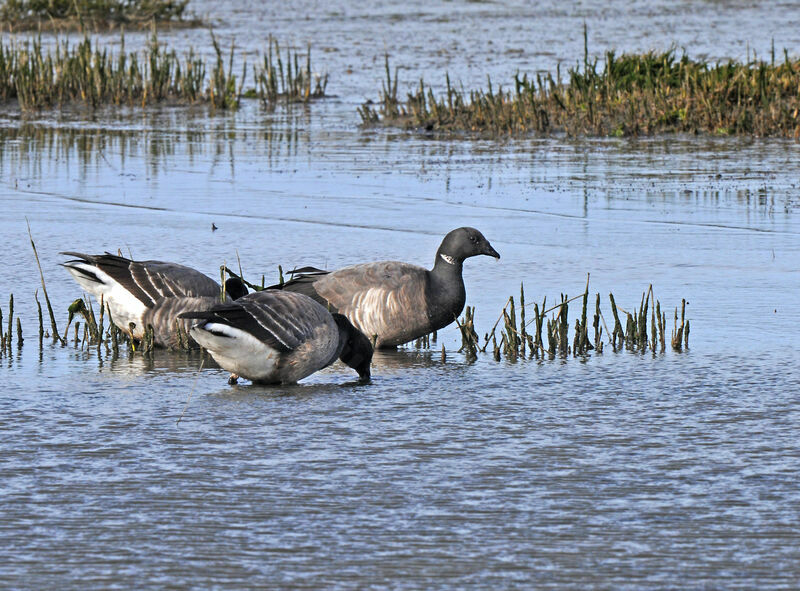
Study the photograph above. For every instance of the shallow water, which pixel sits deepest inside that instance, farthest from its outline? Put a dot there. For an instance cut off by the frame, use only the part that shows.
(615, 471)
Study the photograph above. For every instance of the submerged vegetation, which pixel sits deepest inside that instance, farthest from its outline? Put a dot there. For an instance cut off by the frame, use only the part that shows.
(94, 14)
(627, 95)
(88, 331)
(82, 73)
(542, 337)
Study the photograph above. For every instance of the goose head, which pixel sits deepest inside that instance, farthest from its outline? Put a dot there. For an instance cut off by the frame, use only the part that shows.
(463, 243)
(357, 350)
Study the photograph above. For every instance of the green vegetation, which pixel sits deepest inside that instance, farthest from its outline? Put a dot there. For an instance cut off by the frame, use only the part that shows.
(86, 74)
(78, 14)
(627, 95)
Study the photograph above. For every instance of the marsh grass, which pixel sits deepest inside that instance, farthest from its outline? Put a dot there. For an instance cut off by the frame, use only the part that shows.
(515, 335)
(86, 74)
(291, 80)
(626, 95)
(53, 324)
(82, 15)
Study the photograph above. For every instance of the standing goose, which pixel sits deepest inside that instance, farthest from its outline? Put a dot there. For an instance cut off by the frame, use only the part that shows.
(392, 302)
(146, 293)
(275, 337)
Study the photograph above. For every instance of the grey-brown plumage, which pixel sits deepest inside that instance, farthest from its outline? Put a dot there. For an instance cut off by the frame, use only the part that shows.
(278, 337)
(392, 302)
(144, 292)
(164, 317)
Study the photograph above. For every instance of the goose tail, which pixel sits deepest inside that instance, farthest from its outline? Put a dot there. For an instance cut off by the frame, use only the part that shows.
(125, 307)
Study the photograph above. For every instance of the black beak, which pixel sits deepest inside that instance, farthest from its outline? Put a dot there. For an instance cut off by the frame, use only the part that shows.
(364, 375)
(489, 251)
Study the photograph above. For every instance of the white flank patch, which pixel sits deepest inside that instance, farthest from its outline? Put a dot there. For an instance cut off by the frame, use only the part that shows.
(374, 309)
(125, 308)
(238, 351)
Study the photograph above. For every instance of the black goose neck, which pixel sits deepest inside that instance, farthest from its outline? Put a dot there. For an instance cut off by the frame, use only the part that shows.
(446, 265)
(445, 292)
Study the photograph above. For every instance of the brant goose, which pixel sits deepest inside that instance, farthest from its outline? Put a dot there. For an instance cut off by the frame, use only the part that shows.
(275, 337)
(392, 302)
(146, 293)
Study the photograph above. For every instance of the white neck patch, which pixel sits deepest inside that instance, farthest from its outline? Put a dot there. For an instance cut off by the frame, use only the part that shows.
(447, 259)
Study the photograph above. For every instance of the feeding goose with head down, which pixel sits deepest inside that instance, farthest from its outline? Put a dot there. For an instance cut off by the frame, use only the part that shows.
(142, 293)
(273, 337)
(393, 302)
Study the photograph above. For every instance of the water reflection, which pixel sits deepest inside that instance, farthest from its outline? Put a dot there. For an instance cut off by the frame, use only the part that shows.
(31, 151)
(398, 361)
(93, 162)
(129, 364)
